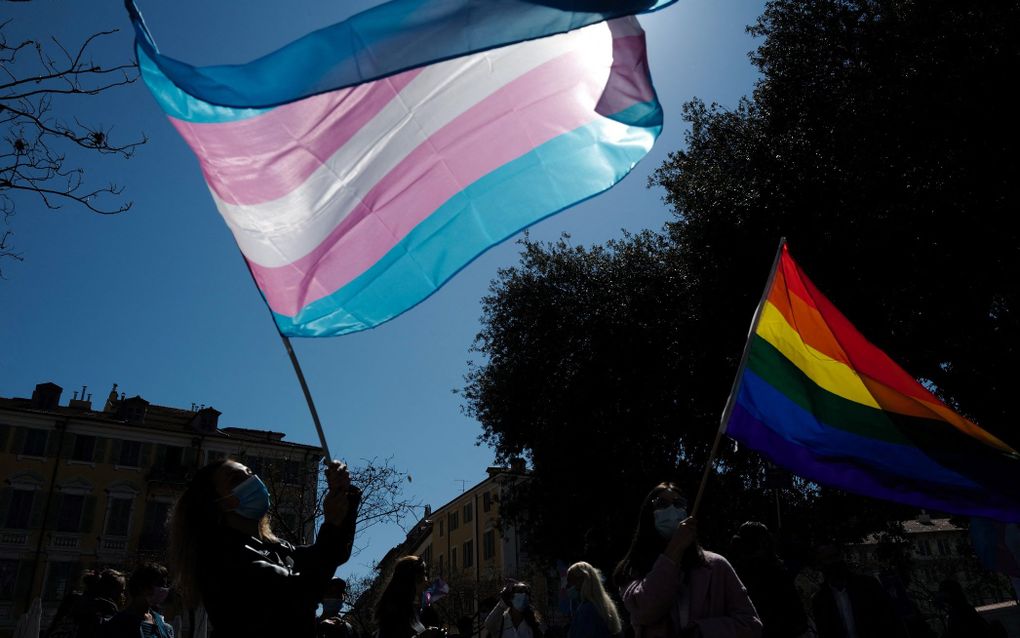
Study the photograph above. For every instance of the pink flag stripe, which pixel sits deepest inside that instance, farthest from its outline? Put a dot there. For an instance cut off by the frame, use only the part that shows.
(292, 139)
(282, 231)
(551, 100)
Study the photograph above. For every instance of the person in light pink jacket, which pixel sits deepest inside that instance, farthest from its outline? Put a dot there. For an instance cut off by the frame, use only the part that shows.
(671, 587)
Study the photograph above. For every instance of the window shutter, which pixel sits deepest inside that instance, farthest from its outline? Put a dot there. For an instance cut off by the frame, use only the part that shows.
(51, 513)
(88, 514)
(160, 463)
(24, 574)
(146, 460)
(35, 520)
(18, 443)
(99, 451)
(52, 441)
(114, 456)
(69, 441)
(5, 431)
(5, 504)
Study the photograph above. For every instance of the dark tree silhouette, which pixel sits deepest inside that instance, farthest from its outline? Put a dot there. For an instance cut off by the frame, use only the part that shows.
(878, 142)
(45, 147)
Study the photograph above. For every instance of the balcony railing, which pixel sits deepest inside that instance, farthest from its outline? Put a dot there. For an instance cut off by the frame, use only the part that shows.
(9, 538)
(64, 541)
(114, 544)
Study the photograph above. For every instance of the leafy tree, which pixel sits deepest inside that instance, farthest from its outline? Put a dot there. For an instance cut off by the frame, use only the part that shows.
(45, 147)
(877, 143)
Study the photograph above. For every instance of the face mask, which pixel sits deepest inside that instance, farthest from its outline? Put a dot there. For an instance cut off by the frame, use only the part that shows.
(667, 519)
(573, 594)
(520, 601)
(159, 595)
(252, 498)
(331, 607)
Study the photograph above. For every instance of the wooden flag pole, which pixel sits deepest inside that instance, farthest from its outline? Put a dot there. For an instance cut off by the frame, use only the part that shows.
(728, 410)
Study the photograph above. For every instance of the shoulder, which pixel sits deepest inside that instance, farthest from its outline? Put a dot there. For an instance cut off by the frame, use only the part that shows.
(717, 562)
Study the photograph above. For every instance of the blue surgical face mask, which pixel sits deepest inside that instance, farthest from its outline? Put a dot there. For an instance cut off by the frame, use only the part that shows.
(667, 519)
(520, 601)
(252, 498)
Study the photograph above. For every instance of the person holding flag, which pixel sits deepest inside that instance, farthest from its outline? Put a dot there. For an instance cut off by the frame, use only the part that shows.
(223, 553)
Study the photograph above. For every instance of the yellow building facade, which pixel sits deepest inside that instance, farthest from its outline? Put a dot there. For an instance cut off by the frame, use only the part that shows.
(84, 488)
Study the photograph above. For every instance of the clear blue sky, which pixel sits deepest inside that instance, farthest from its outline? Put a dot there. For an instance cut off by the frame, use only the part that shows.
(159, 301)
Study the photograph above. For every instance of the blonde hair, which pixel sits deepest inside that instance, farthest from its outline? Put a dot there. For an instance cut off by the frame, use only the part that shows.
(592, 590)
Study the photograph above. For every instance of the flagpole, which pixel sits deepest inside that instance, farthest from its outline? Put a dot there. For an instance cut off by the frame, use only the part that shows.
(731, 400)
(308, 395)
(327, 457)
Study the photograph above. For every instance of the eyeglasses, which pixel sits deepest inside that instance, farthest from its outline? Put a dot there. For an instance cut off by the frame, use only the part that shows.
(668, 498)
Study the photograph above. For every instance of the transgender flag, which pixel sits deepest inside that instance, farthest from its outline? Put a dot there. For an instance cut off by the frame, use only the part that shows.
(362, 166)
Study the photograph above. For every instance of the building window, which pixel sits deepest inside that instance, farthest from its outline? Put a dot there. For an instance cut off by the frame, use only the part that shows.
(486, 502)
(130, 454)
(440, 528)
(441, 565)
(69, 512)
(292, 472)
(35, 442)
(454, 520)
(118, 519)
(453, 559)
(469, 554)
(172, 458)
(154, 526)
(84, 448)
(60, 579)
(923, 548)
(488, 545)
(19, 511)
(944, 548)
(8, 578)
(468, 513)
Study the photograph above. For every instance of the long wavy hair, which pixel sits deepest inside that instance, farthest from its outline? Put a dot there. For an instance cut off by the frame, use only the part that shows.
(647, 544)
(195, 524)
(399, 599)
(592, 590)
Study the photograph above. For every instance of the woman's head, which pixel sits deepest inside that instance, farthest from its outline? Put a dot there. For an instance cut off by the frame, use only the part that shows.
(517, 595)
(149, 584)
(586, 581)
(662, 509)
(222, 494)
(106, 583)
(407, 582)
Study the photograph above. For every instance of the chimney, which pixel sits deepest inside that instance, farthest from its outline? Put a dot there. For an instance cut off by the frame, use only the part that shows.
(924, 518)
(46, 396)
(82, 404)
(517, 465)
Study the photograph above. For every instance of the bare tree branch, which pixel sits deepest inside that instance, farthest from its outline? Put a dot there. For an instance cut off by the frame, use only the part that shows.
(42, 137)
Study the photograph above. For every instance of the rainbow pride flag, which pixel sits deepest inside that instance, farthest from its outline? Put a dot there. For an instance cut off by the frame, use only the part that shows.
(362, 166)
(820, 400)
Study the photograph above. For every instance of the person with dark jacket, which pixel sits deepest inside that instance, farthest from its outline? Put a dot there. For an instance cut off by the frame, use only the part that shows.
(224, 554)
(850, 605)
(398, 613)
(81, 614)
(768, 583)
(962, 620)
(148, 587)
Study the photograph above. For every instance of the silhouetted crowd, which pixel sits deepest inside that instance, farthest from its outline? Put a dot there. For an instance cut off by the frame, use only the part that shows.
(224, 557)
